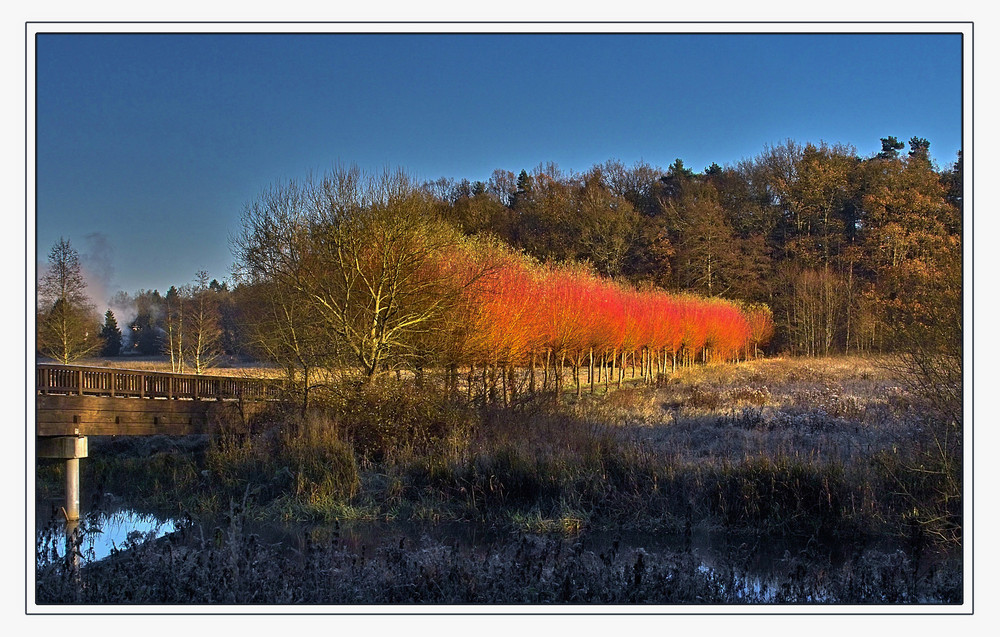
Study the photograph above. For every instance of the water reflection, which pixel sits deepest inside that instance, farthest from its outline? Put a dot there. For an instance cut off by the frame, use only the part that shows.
(96, 535)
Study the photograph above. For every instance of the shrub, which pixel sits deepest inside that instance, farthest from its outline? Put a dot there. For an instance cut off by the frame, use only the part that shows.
(323, 465)
(299, 456)
(382, 418)
(780, 495)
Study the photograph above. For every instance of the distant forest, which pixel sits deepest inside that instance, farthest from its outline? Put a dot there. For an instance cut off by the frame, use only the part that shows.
(851, 254)
(840, 247)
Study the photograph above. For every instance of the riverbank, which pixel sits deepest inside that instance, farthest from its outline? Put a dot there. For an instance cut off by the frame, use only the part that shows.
(809, 451)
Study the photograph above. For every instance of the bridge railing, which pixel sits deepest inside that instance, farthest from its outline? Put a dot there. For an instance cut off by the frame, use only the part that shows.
(127, 383)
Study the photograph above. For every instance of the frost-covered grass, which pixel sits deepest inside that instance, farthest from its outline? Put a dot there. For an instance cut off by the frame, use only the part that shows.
(789, 446)
(840, 410)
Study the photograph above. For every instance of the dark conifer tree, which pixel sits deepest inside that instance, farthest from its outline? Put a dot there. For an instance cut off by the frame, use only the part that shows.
(952, 180)
(890, 148)
(920, 149)
(111, 334)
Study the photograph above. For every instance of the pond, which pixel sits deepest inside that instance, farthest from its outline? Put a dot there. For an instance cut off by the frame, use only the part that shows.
(98, 533)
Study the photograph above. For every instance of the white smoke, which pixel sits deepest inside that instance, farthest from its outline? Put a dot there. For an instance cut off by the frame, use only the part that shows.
(97, 265)
(123, 307)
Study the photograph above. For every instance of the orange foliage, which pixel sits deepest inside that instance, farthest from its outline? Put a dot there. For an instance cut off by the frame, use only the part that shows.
(516, 309)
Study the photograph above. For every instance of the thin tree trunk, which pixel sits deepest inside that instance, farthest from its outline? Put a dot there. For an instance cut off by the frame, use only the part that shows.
(576, 375)
(305, 390)
(559, 372)
(503, 385)
(545, 373)
(609, 376)
(531, 374)
(591, 375)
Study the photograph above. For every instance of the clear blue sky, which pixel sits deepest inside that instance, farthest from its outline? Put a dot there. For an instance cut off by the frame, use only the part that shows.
(148, 146)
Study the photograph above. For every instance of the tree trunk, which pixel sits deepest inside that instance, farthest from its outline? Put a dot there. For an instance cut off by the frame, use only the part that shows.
(559, 373)
(531, 374)
(503, 385)
(611, 369)
(621, 370)
(576, 375)
(591, 373)
(545, 372)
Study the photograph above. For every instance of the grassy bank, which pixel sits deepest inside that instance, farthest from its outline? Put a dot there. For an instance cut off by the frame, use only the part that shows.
(784, 447)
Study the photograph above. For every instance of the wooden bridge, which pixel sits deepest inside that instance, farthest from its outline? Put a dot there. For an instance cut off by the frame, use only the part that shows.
(73, 402)
(98, 401)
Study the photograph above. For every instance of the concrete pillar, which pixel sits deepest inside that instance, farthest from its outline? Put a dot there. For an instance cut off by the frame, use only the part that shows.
(72, 489)
(70, 449)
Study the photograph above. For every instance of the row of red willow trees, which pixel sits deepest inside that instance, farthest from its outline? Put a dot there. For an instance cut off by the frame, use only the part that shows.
(533, 325)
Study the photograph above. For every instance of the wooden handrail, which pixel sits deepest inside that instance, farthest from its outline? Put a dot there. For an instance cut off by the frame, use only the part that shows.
(127, 383)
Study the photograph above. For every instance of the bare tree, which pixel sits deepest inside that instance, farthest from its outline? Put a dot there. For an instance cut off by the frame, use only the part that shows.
(281, 328)
(192, 325)
(361, 252)
(205, 335)
(67, 327)
(176, 311)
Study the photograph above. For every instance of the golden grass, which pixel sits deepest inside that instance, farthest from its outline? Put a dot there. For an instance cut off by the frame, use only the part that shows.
(162, 364)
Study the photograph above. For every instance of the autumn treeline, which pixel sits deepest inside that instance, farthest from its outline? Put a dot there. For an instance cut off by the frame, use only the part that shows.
(543, 269)
(851, 253)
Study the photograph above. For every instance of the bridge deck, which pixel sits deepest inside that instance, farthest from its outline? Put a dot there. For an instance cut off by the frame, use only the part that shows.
(75, 400)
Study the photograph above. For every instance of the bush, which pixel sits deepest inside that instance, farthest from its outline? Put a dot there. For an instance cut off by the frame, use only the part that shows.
(782, 494)
(290, 455)
(323, 466)
(384, 417)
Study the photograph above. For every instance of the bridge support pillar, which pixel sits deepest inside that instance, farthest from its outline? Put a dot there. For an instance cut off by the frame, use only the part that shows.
(70, 449)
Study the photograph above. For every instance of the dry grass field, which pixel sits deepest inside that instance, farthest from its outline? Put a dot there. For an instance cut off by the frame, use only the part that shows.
(222, 367)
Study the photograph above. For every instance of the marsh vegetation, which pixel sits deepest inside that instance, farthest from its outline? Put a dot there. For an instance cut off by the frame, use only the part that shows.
(820, 480)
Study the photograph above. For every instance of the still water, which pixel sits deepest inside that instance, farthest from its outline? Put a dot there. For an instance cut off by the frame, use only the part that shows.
(100, 532)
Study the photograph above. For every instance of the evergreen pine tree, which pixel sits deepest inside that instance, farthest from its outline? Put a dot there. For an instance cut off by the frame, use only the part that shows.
(890, 148)
(111, 335)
